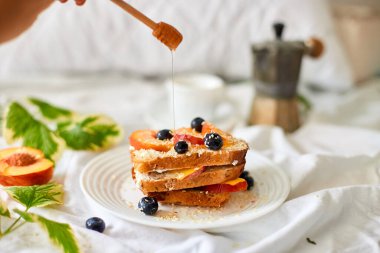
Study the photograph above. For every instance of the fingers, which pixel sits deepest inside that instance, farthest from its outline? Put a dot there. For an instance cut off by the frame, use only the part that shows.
(78, 2)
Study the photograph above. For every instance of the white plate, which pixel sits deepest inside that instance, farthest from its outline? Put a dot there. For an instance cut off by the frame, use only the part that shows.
(107, 182)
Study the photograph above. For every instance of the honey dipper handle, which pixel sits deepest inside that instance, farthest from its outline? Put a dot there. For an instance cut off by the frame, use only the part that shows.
(137, 14)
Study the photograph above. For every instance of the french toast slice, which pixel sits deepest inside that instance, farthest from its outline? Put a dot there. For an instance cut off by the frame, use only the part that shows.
(186, 178)
(198, 155)
(148, 153)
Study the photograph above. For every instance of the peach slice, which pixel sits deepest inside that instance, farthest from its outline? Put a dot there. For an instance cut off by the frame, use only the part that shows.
(146, 139)
(24, 166)
(189, 135)
(191, 173)
(208, 127)
(186, 173)
(235, 185)
(188, 138)
(188, 131)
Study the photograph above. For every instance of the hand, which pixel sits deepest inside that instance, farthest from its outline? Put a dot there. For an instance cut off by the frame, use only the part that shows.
(18, 16)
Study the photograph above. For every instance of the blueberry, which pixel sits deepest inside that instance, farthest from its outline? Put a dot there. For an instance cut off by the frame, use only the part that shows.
(250, 182)
(213, 141)
(96, 224)
(148, 205)
(244, 174)
(197, 124)
(181, 147)
(164, 134)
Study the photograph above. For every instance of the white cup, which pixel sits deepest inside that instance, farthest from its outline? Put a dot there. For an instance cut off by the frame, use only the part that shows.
(195, 95)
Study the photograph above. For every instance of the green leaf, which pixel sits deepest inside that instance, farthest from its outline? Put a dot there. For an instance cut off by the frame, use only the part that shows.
(92, 132)
(49, 111)
(60, 234)
(37, 195)
(4, 209)
(19, 124)
(305, 102)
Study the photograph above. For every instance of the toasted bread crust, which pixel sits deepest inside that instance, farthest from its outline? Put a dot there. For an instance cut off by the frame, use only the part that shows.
(212, 175)
(154, 171)
(192, 198)
(196, 158)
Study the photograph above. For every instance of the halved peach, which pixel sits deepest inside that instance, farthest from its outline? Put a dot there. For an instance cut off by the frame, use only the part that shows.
(24, 166)
(235, 185)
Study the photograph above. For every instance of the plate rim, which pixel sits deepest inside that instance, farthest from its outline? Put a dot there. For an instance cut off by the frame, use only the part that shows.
(154, 222)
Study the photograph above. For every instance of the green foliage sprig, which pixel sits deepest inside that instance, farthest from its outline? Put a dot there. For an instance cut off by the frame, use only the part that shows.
(64, 128)
(60, 234)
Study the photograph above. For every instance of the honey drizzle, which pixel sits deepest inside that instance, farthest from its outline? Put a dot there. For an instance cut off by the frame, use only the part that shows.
(173, 103)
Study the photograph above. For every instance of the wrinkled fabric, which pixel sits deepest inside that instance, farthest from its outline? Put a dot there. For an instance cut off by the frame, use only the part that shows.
(332, 161)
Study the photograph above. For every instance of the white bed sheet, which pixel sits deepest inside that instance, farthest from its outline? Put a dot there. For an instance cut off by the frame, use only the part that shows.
(333, 163)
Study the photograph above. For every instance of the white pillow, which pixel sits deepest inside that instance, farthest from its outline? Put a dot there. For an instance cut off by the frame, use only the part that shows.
(101, 37)
(359, 27)
(217, 36)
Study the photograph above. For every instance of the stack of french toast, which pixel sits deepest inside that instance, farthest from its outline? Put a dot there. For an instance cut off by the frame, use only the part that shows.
(191, 166)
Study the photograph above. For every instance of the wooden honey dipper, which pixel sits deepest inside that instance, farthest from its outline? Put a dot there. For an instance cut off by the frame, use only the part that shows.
(164, 32)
